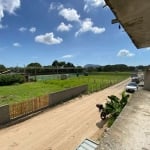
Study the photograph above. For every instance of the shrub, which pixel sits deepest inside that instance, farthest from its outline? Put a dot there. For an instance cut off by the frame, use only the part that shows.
(113, 107)
(10, 79)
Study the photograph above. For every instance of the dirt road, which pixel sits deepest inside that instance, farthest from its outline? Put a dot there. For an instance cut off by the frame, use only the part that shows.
(59, 128)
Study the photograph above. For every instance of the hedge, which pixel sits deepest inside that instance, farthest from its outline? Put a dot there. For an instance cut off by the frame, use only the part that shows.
(10, 79)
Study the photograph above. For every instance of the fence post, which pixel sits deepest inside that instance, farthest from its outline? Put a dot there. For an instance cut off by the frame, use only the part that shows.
(4, 114)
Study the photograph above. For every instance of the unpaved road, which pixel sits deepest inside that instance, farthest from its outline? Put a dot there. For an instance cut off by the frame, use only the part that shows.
(59, 128)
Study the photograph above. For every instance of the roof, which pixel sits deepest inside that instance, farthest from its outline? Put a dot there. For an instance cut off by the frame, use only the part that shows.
(87, 144)
(134, 16)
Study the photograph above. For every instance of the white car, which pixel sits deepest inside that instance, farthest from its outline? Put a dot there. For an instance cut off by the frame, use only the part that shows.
(131, 87)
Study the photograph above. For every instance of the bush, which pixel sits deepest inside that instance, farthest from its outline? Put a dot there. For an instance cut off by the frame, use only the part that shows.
(113, 107)
(10, 79)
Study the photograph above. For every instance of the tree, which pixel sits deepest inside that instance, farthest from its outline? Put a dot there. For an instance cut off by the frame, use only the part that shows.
(107, 68)
(37, 65)
(69, 65)
(62, 64)
(55, 63)
(34, 69)
(2, 68)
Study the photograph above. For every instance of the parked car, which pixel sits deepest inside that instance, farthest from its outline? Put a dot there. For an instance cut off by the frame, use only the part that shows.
(135, 79)
(131, 87)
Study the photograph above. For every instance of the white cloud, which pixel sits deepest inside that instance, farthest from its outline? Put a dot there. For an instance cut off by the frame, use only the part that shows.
(3, 26)
(67, 56)
(148, 48)
(32, 29)
(48, 38)
(16, 44)
(63, 27)
(87, 25)
(125, 53)
(22, 29)
(89, 4)
(55, 5)
(8, 6)
(145, 49)
(70, 14)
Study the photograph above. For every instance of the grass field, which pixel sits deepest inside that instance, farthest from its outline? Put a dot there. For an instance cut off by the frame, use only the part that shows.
(21, 92)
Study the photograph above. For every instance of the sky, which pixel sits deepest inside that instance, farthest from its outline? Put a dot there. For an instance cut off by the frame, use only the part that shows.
(76, 31)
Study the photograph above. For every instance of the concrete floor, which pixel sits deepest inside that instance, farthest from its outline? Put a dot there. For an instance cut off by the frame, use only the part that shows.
(131, 130)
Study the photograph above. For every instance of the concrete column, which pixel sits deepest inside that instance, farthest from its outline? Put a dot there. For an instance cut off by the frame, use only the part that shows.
(4, 114)
(147, 80)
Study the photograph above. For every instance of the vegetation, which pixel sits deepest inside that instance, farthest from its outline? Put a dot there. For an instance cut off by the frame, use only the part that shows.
(62, 67)
(2, 68)
(34, 65)
(113, 107)
(62, 64)
(25, 91)
(10, 79)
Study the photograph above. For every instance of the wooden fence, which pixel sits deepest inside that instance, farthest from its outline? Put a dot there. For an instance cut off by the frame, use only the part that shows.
(28, 107)
(18, 110)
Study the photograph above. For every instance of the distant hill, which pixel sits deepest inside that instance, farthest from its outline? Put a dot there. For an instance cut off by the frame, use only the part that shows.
(91, 66)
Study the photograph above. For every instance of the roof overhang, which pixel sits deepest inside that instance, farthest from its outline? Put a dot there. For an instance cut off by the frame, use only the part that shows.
(134, 16)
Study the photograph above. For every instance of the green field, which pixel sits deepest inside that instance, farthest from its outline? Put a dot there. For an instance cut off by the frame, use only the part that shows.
(21, 92)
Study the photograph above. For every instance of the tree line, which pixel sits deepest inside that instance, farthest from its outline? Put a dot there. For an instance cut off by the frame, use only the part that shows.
(58, 67)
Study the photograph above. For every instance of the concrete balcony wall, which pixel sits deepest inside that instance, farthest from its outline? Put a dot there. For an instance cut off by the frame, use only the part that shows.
(147, 80)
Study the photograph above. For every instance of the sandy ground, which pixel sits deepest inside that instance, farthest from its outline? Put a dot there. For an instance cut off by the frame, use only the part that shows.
(60, 128)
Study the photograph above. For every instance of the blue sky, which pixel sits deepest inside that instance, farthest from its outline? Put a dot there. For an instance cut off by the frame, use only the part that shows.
(74, 31)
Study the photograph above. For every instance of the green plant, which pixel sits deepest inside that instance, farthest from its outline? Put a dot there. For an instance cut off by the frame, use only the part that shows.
(113, 107)
(29, 90)
(10, 79)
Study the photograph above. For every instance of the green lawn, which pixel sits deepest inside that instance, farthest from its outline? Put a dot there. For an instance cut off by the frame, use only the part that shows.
(21, 92)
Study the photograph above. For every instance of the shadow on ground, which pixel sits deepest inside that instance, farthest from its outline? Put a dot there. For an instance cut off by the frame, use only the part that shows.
(101, 123)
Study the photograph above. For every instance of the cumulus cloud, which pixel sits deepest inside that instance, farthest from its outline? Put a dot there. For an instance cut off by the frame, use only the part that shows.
(22, 29)
(8, 6)
(16, 44)
(48, 38)
(87, 25)
(32, 29)
(63, 27)
(89, 4)
(70, 14)
(125, 53)
(55, 6)
(67, 56)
